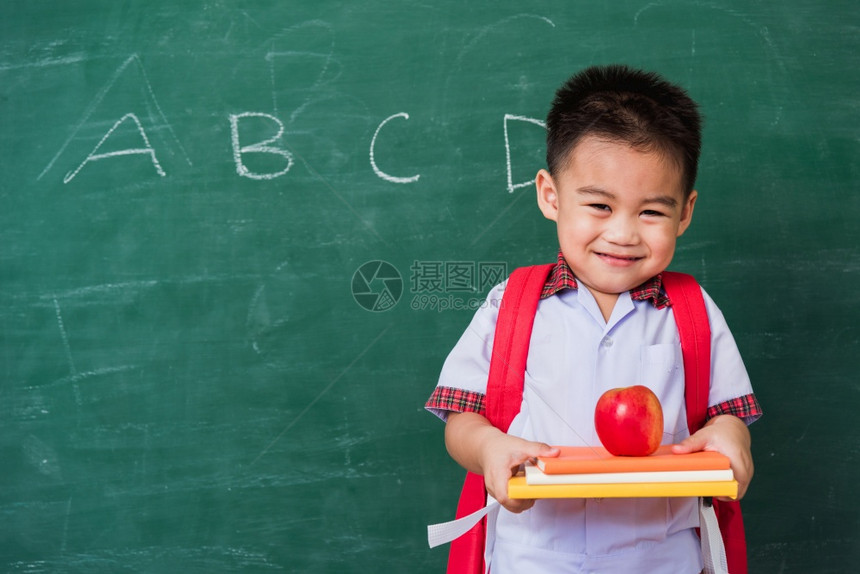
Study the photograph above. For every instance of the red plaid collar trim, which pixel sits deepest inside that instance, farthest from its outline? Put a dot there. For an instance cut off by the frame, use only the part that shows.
(561, 278)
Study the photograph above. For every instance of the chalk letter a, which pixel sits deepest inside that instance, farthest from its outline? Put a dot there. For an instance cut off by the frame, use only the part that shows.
(95, 156)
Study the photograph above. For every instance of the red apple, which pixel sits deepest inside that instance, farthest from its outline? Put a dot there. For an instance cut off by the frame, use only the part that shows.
(629, 421)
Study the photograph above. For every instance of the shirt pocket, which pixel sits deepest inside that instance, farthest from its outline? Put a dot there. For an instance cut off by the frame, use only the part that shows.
(660, 358)
(661, 370)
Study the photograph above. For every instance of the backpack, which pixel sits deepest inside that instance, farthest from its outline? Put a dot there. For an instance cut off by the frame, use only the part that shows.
(505, 390)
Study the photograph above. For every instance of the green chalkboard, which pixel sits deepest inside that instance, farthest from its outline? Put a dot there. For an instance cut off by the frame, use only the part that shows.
(237, 240)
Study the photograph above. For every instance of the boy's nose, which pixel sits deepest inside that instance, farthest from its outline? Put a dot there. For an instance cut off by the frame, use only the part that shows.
(621, 231)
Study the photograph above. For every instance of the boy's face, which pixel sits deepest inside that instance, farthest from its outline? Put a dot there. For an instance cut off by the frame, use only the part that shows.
(619, 213)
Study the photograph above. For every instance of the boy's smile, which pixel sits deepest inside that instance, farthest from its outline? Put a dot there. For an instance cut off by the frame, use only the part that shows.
(619, 212)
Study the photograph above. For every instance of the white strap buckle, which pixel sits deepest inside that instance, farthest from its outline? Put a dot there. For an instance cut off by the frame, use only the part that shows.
(713, 551)
(445, 532)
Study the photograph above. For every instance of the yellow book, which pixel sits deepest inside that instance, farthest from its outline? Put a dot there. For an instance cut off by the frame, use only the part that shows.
(518, 488)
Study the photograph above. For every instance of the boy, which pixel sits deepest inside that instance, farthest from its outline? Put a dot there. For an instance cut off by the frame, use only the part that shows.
(622, 155)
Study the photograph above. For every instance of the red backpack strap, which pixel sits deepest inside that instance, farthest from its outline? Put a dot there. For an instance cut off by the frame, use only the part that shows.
(694, 328)
(691, 316)
(731, 523)
(504, 396)
(503, 400)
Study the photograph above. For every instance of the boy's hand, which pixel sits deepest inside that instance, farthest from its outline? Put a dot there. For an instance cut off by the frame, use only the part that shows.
(501, 459)
(483, 449)
(729, 435)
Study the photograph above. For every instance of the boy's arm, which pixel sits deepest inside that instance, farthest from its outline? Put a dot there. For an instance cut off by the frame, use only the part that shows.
(730, 436)
(483, 449)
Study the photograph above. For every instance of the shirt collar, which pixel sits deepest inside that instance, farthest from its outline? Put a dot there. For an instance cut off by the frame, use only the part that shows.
(561, 277)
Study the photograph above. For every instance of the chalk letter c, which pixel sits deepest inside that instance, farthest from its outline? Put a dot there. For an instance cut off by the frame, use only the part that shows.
(376, 169)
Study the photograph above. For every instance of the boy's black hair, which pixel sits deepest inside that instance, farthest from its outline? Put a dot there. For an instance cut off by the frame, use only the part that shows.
(622, 104)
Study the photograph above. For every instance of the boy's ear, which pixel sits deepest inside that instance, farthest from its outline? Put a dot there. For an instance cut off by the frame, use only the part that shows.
(547, 195)
(687, 212)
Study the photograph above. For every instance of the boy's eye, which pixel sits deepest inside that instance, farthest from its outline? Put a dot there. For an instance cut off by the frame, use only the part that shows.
(599, 206)
(653, 213)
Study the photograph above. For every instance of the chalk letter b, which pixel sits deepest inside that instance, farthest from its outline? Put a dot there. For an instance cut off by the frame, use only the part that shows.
(260, 147)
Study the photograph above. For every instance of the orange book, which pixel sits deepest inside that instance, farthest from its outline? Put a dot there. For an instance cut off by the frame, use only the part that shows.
(586, 460)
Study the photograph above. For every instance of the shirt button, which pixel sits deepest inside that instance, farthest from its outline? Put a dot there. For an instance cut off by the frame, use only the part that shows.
(607, 342)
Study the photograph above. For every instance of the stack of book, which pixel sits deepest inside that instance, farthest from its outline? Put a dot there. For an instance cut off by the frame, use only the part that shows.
(591, 472)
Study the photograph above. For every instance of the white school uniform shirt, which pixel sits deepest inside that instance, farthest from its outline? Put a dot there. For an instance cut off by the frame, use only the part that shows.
(574, 356)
